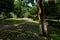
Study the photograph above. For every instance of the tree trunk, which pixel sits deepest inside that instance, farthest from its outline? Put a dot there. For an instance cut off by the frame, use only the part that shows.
(42, 22)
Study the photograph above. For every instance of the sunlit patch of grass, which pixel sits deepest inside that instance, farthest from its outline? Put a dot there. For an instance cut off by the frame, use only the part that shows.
(17, 20)
(13, 21)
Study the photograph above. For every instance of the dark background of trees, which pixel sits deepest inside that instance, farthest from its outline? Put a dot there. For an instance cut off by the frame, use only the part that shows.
(20, 9)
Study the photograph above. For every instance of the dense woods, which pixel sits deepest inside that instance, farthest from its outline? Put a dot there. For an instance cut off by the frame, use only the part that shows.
(18, 16)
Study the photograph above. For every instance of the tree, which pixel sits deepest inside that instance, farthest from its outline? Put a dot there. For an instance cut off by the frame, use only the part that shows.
(6, 6)
(41, 15)
(33, 12)
(53, 9)
(21, 7)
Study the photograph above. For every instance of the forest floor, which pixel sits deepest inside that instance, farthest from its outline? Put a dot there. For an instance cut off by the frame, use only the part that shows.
(29, 27)
(25, 28)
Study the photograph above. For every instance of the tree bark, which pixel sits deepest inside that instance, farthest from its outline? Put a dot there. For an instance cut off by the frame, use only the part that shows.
(41, 16)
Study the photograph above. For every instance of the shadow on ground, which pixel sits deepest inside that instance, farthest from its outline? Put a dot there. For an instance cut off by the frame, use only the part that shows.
(25, 30)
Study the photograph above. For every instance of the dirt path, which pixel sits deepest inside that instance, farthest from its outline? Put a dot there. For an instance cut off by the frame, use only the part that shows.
(4, 26)
(10, 29)
(13, 25)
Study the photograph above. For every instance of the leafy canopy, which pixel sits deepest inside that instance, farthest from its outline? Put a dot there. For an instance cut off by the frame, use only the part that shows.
(6, 5)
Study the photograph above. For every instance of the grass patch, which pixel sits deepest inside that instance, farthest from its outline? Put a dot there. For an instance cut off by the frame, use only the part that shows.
(13, 21)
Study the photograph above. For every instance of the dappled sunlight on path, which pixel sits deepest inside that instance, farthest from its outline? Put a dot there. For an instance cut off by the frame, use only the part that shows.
(25, 27)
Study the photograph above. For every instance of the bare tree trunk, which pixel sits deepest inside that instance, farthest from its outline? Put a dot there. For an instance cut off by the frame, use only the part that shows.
(42, 22)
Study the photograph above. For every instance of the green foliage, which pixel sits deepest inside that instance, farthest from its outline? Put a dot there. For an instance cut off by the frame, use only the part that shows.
(52, 11)
(6, 5)
(20, 7)
(33, 12)
(13, 21)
